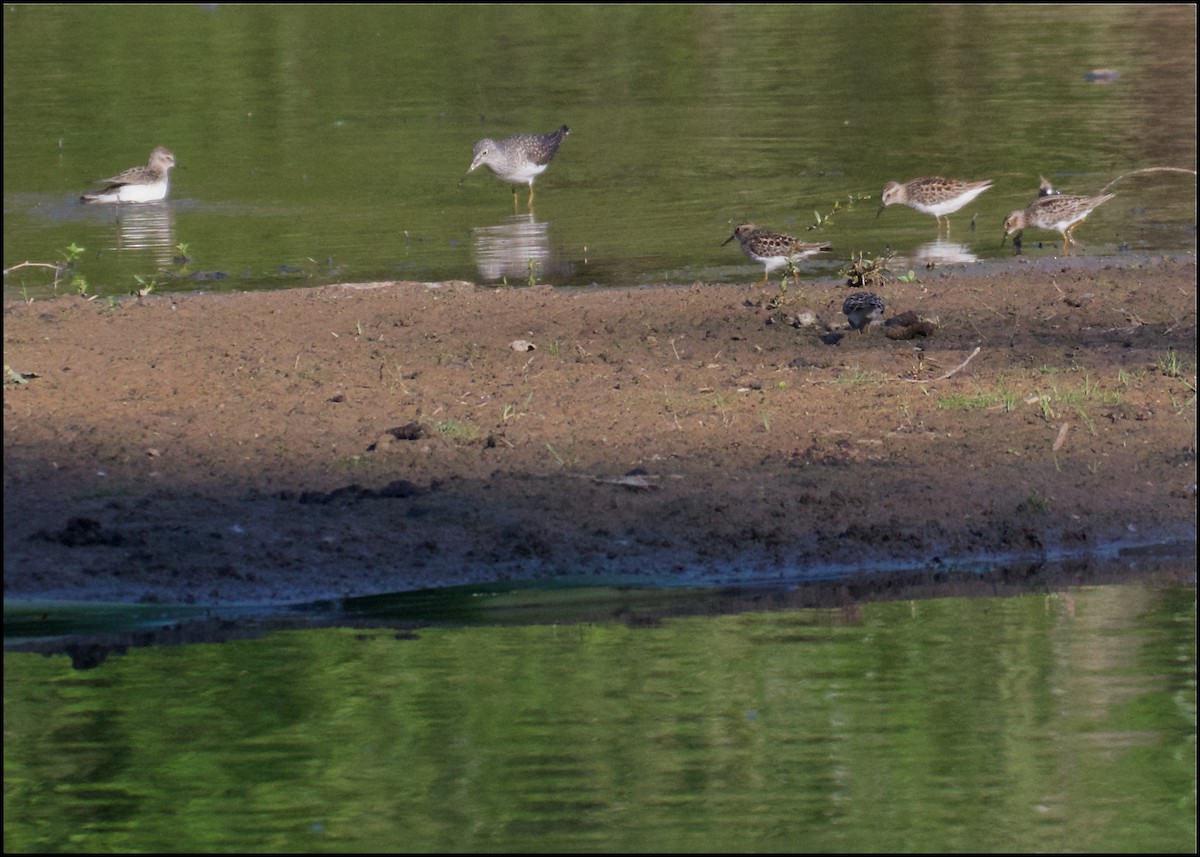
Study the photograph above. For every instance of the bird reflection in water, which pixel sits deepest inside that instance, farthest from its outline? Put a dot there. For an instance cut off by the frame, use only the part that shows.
(149, 226)
(942, 251)
(515, 251)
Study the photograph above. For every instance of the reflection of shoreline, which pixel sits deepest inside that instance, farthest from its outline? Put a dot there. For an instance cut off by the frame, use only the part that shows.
(147, 226)
(942, 251)
(518, 249)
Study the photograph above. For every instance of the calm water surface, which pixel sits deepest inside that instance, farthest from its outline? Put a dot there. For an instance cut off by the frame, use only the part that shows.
(325, 144)
(1062, 722)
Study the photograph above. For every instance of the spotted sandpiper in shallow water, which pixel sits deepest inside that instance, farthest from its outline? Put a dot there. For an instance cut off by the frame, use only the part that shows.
(137, 184)
(774, 249)
(932, 195)
(519, 159)
(1058, 212)
(862, 308)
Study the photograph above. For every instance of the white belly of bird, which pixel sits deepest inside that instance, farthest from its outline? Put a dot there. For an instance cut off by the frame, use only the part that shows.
(527, 172)
(134, 193)
(950, 206)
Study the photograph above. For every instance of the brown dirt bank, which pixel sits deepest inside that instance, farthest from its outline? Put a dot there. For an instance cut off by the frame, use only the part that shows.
(348, 440)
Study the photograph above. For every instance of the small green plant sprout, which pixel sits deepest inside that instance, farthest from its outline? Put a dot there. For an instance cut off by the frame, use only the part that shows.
(457, 431)
(145, 286)
(183, 258)
(513, 410)
(568, 457)
(1170, 365)
(821, 221)
(1087, 421)
(1034, 503)
(793, 272)
(910, 277)
(533, 277)
(71, 254)
(866, 273)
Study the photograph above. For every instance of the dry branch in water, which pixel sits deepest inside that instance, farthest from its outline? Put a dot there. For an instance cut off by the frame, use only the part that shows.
(1148, 170)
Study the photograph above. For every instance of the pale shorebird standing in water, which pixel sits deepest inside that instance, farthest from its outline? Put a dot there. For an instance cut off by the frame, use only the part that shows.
(137, 184)
(518, 160)
(932, 195)
(1058, 212)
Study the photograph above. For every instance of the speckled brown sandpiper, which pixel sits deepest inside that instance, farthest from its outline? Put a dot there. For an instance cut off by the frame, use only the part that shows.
(932, 195)
(774, 249)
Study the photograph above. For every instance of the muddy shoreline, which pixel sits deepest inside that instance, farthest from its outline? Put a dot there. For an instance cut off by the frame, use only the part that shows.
(358, 439)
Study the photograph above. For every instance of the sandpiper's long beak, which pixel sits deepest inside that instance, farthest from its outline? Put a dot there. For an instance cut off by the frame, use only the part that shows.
(470, 169)
(881, 208)
(1005, 238)
(730, 238)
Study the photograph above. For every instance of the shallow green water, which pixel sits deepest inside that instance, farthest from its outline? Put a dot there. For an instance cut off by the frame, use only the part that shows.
(1062, 722)
(324, 144)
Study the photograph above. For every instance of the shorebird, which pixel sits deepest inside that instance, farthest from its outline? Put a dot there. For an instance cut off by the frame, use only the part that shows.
(862, 308)
(1057, 211)
(137, 184)
(774, 249)
(518, 160)
(1047, 189)
(932, 195)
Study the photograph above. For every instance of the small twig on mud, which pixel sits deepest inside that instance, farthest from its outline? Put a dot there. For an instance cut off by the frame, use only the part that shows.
(957, 368)
(1062, 437)
(676, 350)
(989, 308)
